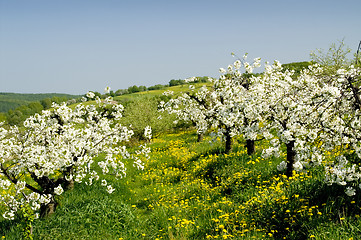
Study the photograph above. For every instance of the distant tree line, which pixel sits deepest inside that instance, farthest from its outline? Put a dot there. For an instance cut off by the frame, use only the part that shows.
(13, 100)
(296, 66)
(7, 105)
(135, 89)
(19, 114)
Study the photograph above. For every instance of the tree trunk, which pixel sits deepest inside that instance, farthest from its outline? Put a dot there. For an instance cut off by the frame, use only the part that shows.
(290, 158)
(355, 91)
(69, 185)
(46, 210)
(250, 147)
(200, 137)
(228, 143)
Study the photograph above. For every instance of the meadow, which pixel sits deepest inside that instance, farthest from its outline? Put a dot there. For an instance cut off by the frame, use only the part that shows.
(191, 190)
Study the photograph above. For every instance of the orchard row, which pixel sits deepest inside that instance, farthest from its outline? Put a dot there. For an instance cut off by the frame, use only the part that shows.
(312, 115)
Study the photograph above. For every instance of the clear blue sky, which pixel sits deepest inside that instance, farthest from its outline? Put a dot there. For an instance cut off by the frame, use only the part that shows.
(72, 46)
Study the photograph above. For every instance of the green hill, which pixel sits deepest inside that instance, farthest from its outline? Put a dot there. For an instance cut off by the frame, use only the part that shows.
(10, 101)
(152, 93)
(16, 107)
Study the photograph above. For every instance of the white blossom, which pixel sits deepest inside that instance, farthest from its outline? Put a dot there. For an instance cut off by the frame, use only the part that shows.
(148, 132)
(298, 166)
(58, 190)
(104, 182)
(107, 90)
(350, 191)
(90, 95)
(282, 166)
(110, 189)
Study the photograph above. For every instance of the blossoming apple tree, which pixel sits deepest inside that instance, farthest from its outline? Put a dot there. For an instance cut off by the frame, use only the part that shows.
(42, 158)
(235, 107)
(192, 106)
(343, 129)
(293, 106)
(225, 106)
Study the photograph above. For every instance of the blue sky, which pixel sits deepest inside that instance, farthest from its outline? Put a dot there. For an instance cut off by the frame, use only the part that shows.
(73, 46)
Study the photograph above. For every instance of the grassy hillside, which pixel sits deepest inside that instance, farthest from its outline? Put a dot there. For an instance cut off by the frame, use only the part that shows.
(190, 190)
(152, 93)
(13, 100)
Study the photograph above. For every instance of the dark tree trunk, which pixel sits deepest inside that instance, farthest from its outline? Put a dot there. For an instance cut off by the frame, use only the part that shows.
(290, 158)
(200, 137)
(249, 143)
(69, 185)
(250, 147)
(355, 91)
(46, 210)
(228, 143)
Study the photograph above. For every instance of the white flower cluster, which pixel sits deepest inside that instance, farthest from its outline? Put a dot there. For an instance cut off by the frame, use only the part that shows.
(189, 107)
(59, 146)
(148, 132)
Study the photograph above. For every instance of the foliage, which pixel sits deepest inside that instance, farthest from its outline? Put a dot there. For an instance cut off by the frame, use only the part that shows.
(140, 113)
(2, 117)
(28, 217)
(297, 67)
(334, 58)
(358, 55)
(134, 89)
(174, 82)
(7, 105)
(156, 87)
(19, 114)
(121, 92)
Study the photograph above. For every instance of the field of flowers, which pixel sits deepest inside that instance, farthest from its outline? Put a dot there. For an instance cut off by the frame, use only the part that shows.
(191, 190)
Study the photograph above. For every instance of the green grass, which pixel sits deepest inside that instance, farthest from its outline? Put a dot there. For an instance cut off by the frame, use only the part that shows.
(190, 190)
